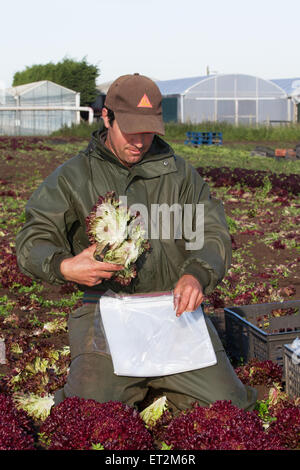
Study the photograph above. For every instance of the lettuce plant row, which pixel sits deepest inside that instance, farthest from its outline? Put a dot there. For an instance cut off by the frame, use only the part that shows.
(84, 424)
(281, 184)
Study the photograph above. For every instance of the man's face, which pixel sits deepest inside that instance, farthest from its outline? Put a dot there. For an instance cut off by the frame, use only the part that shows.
(128, 148)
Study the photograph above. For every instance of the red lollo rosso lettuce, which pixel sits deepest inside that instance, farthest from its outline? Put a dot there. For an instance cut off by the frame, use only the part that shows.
(278, 245)
(83, 424)
(283, 185)
(16, 431)
(215, 299)
(23, 143)
(9, 193)
(286, 426)
(257, 372)
(38, 372)
(280, 414)
(259, 293)
(10, 274)
(279, 400)
(221, 426)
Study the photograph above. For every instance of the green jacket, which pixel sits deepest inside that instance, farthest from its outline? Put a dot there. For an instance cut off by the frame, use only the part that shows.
(55, 217)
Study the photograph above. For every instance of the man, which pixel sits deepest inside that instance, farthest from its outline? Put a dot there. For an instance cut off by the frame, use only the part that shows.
(127, 156)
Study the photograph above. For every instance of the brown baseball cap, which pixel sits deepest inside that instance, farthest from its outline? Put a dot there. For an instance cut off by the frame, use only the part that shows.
(136, 103)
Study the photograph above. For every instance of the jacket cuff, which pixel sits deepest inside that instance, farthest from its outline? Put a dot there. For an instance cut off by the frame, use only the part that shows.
(55, 265)
(199, 272)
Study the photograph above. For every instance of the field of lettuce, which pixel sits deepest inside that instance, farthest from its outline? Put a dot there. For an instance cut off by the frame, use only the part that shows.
(263, 215)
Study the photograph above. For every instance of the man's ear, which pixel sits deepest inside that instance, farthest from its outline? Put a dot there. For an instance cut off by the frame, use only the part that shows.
(104, 116)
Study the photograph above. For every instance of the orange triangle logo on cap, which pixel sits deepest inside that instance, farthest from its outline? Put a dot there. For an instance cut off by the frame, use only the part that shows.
(145, 102)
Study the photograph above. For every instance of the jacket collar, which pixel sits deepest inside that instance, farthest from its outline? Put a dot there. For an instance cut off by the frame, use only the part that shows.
(157, 161)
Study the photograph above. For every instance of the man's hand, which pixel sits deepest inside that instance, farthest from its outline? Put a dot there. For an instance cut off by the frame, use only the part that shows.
(188, 294)
(84, 269)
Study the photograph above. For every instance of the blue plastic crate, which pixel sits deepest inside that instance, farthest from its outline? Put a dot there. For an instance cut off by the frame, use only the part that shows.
(204, 138)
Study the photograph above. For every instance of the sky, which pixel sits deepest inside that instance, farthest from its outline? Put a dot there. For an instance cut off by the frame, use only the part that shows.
(163, 39)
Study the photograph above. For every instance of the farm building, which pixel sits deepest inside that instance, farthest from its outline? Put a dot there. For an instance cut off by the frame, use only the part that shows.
(235, 98)
(38, 108)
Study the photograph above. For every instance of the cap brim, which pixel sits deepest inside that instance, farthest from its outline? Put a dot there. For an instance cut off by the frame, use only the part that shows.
(136, 124)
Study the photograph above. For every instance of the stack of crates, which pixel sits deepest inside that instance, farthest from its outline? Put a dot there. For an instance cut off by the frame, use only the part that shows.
(204, 138)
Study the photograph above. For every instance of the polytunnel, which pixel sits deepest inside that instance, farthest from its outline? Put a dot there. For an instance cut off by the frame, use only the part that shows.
(38, 108)
(234, 98)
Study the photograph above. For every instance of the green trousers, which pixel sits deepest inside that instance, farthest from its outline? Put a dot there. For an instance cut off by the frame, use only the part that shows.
(91, 373)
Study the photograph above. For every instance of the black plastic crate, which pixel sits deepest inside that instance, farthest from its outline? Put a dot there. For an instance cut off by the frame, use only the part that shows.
(292, 371)
(252, 331)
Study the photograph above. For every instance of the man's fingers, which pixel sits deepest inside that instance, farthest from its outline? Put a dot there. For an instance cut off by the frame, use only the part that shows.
(101, 266)
(200, 299)
(187, 301)
(183, 301)
(176, 301)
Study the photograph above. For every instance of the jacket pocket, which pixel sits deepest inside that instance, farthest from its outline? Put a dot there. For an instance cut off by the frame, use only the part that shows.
(83, 310)
(81, 330)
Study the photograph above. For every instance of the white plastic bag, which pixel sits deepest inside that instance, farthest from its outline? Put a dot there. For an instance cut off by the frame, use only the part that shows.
(146, 338)
(295, 346)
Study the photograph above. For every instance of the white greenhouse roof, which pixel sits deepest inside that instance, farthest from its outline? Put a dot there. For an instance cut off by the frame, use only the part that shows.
(103, 87)
(178, 86)
(23, 89)
(290, 85)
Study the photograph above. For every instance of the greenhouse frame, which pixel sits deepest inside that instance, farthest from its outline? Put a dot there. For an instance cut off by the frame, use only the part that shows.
(39, 108)
(235, 98)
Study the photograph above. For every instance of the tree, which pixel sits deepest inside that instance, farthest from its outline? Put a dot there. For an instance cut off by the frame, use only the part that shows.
(78, 76)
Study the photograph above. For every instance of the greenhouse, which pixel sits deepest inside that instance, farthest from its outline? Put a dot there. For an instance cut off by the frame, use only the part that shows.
(234, 98)
(38, 108)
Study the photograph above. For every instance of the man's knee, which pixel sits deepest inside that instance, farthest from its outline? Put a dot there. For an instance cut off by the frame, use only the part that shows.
(91, 376)
(207, 385)
(88, 376)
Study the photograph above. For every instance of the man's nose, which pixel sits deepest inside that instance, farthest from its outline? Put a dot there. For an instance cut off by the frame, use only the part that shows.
(137, 140)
